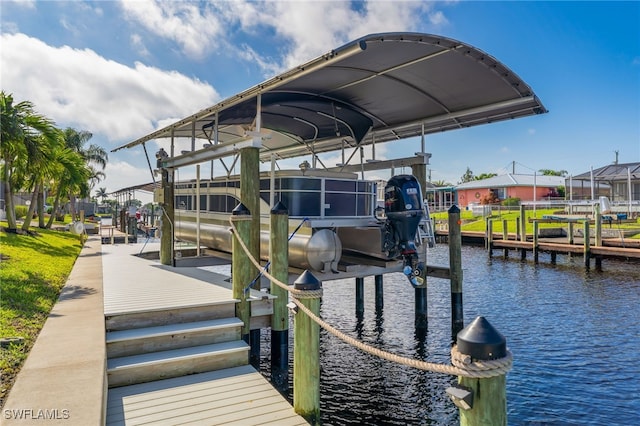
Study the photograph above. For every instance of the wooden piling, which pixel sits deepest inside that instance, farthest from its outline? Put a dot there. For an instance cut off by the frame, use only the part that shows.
(535, 241)
(306, 349)
(279, 268)
(570, 232)
(421, 321)
(455, 268)
(490, 237)
(505, 236)
(523, 224)
(483, 342)
(587, 244)
(598, 225)
(167, 200)
(359, 297)
(250, 197)
(378, 279)
(241, 273)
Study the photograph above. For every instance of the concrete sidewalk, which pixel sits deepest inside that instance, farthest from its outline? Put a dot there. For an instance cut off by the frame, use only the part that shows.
(63, 381)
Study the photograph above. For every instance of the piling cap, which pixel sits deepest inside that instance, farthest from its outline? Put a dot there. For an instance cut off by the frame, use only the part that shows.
(240, 210)
(280, 209)
(307, 281)
(481, 341)
(454, 209)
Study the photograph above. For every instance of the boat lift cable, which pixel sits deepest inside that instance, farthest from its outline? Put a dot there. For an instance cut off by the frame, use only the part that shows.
(266, 266)
(463, 365)
(146, 154)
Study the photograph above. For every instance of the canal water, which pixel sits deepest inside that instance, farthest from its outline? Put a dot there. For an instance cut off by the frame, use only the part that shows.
(574, 334)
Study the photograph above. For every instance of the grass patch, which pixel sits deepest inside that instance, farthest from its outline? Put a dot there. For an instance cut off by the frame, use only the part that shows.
(478, 223)
(33, 269)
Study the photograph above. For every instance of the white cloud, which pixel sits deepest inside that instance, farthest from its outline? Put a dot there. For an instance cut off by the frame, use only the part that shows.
(29, 4)
(194, 26)
(81, 89)
(309, 29)
(302, 30)
(138, 45)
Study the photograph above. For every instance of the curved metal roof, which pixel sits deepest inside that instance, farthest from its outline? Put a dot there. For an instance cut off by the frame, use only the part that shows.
(380, 87)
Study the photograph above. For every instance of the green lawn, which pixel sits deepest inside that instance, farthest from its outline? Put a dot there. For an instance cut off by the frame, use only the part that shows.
(478, 223)
(33, 270)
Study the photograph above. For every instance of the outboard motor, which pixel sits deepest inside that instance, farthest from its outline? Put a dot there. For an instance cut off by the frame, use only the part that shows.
(403, 207)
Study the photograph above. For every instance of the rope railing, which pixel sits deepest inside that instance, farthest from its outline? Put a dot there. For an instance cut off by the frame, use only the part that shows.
(463, 365)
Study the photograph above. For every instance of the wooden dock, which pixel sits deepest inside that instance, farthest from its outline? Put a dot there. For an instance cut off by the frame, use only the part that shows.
(174, 353)
(610, 249)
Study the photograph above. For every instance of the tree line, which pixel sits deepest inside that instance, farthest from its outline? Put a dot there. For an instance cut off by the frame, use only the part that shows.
(37, 156)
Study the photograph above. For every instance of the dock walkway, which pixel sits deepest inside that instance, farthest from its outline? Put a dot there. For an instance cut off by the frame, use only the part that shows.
(238, 395)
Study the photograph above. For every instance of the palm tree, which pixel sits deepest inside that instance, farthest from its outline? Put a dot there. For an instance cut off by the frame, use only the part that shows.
(101, 193)
(37, 169)
(93, 155)
(441, 183)
(70, 175)
(22, 134)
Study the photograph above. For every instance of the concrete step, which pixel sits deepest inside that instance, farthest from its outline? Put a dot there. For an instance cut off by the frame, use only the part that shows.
(153, 366)
(157, 317)
(172, 336)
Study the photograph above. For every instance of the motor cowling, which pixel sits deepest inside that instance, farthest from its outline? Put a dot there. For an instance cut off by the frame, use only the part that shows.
(404, 210)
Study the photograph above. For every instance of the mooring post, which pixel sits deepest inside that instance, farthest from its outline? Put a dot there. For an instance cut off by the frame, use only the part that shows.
(535, 241)
(279, 257)
(490, 237)
(587, 244)
(378, 279)
(488, 402)
(359, 297)
(250, 197)
(421, 311)
(523, 223)
(240, 268)
(570, 232)
(505, 236)
(306, 349)
(486, 232)
(598, 239)
(455, 271)
(167, 215)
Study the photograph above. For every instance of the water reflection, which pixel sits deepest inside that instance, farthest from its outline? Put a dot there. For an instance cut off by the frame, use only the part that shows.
(573, 333)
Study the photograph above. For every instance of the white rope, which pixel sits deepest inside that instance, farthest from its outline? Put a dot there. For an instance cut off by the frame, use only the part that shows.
(463, 365)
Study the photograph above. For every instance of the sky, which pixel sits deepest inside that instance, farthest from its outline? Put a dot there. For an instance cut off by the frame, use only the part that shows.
(121, 69)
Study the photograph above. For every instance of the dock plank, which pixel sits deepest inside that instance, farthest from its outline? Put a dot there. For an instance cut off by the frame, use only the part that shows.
(135, 284)
(239, 394)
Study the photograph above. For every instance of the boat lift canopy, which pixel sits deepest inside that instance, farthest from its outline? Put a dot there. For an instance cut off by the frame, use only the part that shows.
(379, 88)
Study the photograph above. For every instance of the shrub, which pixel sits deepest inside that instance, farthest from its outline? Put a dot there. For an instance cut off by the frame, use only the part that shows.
(21, 211)
(489, 198)
(511, 202)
